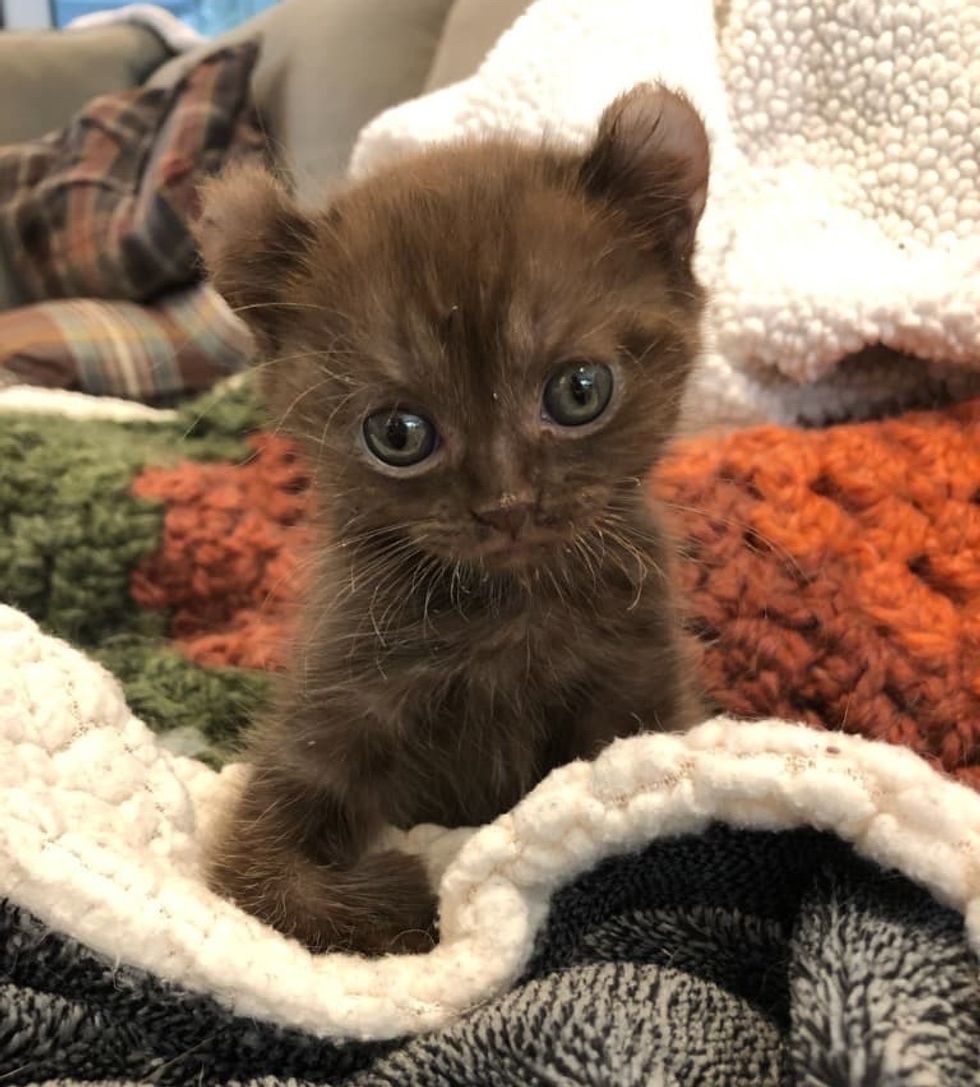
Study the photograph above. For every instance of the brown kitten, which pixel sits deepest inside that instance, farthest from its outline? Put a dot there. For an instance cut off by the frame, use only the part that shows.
(482, 351)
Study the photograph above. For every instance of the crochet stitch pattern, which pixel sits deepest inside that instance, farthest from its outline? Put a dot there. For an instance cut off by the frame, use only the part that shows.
(835, 576)
(73, 532)
(227, 568)
(832, 576)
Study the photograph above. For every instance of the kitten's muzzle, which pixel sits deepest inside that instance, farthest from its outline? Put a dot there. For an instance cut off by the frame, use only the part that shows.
(509, 519)
(510, 532)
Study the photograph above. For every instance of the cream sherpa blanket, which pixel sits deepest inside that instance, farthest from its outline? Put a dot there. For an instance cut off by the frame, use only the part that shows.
(101, 829)
(844, 209)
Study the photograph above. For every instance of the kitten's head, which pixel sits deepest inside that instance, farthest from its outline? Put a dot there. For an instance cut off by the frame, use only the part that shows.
(484, 347)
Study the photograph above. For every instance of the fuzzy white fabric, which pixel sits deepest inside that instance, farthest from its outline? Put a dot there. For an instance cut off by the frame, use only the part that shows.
(844, 207)
(36, 400)
(101, 831)
(176, 35)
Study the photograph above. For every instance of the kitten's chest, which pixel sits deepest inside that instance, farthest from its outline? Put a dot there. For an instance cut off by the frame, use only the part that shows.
(479, 714)
(482, 739)
(522, 658)
(504, 675)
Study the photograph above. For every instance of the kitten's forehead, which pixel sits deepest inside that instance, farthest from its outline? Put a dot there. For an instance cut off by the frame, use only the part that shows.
(463, 274)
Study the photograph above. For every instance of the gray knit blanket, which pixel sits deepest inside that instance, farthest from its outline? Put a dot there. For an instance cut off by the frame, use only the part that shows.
(727, 958)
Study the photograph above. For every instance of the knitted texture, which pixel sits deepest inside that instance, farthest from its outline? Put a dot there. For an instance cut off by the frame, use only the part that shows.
(74, 529)
(201, 710)
(229, 552)
(833, 577)
(843, 209)
(70, 529)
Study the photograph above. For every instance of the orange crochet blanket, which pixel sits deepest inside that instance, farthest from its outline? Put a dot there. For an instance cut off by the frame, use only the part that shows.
(833, 576)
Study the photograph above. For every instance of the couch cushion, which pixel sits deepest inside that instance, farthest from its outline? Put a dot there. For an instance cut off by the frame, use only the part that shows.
(327, 67)
(472, 28)
(101, 209)
(47, 75)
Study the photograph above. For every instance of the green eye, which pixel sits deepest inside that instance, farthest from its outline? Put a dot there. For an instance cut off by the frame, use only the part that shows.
(578, 393)
(399, 438)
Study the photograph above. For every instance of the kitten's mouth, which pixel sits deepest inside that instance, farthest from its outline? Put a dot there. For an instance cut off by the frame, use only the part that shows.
(503, 550)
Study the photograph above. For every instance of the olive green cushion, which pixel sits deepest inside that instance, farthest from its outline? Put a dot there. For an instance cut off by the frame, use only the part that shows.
(46, 76)
(472, 29)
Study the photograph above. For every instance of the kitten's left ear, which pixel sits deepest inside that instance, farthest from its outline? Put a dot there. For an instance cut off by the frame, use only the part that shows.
(650, 158)
(253, 239)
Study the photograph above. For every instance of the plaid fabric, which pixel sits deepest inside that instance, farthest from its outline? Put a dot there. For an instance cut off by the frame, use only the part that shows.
(182, 343)
(100, 210)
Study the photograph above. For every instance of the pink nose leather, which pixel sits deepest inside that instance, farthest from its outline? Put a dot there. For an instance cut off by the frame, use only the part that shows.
(509, 519)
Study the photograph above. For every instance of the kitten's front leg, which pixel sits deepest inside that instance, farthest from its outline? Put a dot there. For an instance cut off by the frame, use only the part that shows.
(667, 700)
(295, 855)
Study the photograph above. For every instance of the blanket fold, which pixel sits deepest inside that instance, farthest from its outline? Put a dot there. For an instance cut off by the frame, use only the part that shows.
(756, 902)
(724, 959)
(101, 831)
(843, 210)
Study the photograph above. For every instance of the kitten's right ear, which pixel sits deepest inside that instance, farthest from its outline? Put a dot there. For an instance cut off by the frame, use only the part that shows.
(253, 239)
(650, 160)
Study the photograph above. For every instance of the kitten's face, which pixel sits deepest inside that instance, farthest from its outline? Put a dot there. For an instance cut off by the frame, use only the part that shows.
(483, 349)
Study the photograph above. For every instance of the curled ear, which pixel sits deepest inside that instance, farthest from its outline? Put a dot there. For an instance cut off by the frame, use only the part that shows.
(650, 159)
(253, 239)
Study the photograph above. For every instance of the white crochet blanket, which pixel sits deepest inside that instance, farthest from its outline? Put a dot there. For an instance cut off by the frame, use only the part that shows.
(844, 208)
(101, 831)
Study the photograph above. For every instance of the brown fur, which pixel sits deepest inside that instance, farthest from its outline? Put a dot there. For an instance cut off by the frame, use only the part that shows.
(432, 684)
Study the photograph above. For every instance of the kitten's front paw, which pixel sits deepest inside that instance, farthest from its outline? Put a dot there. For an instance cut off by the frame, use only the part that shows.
(410, 941)
(381, 906)
(403, 920)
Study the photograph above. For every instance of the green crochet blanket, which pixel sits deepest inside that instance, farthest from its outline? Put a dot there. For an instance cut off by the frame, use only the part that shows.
(76, 535)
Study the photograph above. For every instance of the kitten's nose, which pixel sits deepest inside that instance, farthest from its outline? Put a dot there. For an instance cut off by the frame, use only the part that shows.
(508, 518)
